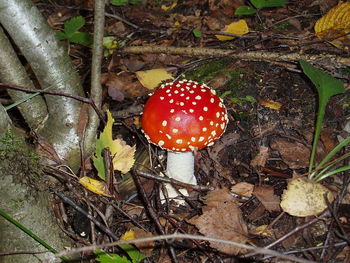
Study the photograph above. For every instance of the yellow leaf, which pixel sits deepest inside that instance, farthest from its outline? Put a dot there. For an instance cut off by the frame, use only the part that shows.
(263, 230)
(151, 79)
(274, 105)
(122, 154)
(128, 235)
(169, 7)
(94, 186)
(334, 25)
(239, 28)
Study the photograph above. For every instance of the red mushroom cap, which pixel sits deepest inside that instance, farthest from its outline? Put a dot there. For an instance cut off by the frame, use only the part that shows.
(183, 116)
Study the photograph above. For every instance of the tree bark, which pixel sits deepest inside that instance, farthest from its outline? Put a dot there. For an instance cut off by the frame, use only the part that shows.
(52, 66)
(32, 208)
(34, 111)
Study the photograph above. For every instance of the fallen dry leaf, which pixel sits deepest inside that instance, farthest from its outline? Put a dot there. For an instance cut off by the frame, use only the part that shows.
(261, 158)
(334, 26)
(264, 231)
(222, 219)
(266, 196)
(243, 189)
(95, 186)
(134, 233)
(294, 154)
(123, 85)
(239, 28)
(267, 103)
(152, 78)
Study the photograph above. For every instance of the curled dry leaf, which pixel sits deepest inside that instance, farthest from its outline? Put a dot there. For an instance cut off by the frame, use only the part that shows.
(294, 154)
(239, 28)
(95, 186)
(222, 219)
(261, 158)
(121, 153)
(243, 189)
(334, 26)
(152, 78)
(266, 196)
(304, 197)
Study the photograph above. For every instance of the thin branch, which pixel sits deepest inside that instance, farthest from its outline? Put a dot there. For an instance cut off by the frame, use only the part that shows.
(324, 60)
(173, 181)
(180, 236)
(56, 93)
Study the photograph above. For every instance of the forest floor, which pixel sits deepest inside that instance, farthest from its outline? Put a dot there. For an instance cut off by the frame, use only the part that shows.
(271, 106)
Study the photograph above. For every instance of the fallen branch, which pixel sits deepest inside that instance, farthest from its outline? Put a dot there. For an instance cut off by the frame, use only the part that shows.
(326, 61)
(179, 236)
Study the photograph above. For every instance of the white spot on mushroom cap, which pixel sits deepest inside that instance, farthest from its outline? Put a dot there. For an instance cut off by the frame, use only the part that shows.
(205, 108)
(177, 119)
(164, 123)
(171, 101)
(172, 110)
(193, 139)
(201, 118)
(161, 143)
(175, 130)
(168, 136)
(212, 100)
(161, 98)
(179, 141)
(217, 115)
(201, 139)
(198, 97)
(191, 110)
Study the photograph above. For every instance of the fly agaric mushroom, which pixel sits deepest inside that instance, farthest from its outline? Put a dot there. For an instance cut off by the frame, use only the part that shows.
(182, 117)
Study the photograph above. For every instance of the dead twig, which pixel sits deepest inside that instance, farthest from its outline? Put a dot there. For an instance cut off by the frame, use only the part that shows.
(57, 93)
(179, 236)
(152, 213)
(173, 181)
(326, 61)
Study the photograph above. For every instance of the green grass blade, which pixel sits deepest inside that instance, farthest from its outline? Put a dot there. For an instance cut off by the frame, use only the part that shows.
(339, 170)
(27, 231)
(27, 98)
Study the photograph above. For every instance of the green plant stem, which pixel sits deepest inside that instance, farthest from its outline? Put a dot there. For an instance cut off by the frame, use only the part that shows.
(328, 157)
(339, 170)
(27, 231)
(327, 167)
(333, 152)
(320, 117)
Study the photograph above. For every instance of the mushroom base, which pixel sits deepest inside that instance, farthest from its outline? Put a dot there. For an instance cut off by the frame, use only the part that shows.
(180, 166)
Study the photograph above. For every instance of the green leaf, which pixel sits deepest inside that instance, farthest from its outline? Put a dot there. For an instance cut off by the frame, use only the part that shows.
(268, 3)
(134, 1)
(82, 38)
(326, 86)
(197, 33)
(104, 257)
(245, 10)
(133, 253)
(73, 25)
(119, 2)
(61, 35)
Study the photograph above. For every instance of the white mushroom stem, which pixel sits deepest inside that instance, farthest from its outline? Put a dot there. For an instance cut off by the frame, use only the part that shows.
(180, 166)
